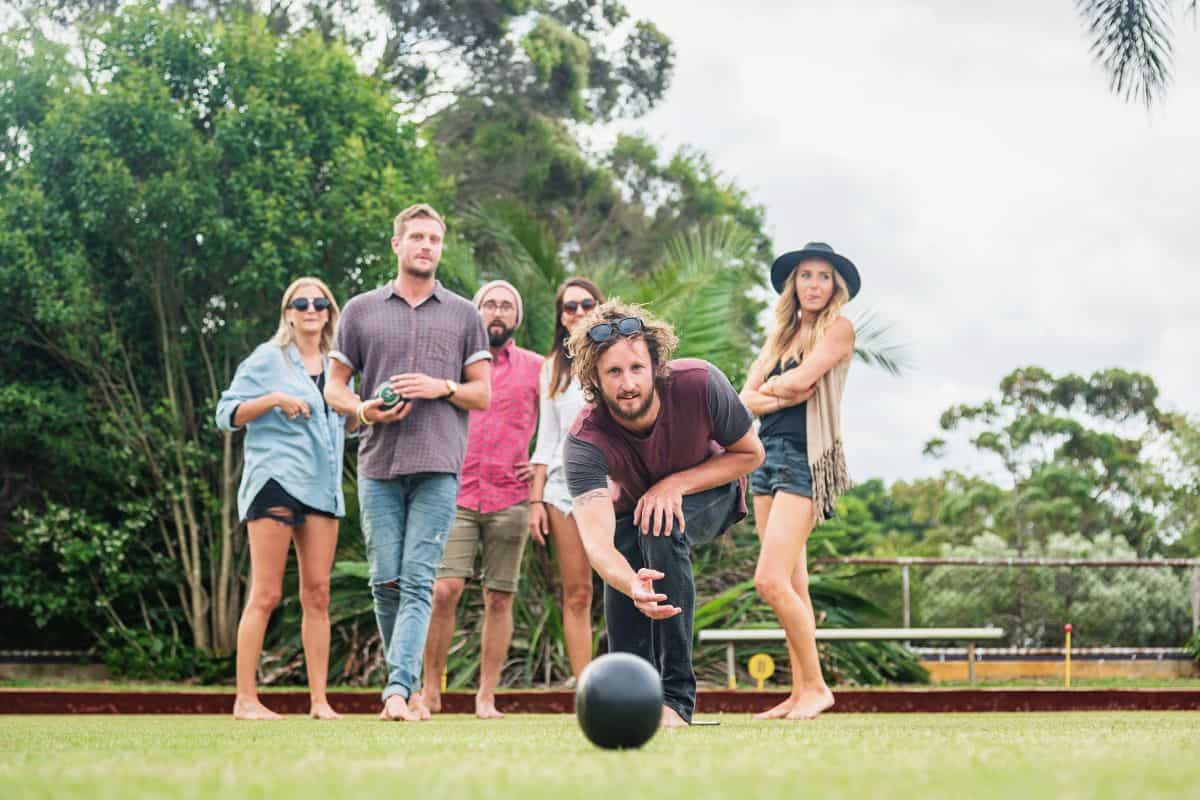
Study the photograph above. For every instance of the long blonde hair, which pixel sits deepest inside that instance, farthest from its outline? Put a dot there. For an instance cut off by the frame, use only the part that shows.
(786, 342)
(285, 335)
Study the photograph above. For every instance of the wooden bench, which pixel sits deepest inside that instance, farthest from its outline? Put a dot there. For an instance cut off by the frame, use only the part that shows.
(968, 635)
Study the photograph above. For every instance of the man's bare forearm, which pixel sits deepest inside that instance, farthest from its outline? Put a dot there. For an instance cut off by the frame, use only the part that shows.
(340, 397)
(472, 396)
(597, 522)
(717, 471)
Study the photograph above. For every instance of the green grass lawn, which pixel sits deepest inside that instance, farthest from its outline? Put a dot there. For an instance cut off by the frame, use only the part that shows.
(898, 757)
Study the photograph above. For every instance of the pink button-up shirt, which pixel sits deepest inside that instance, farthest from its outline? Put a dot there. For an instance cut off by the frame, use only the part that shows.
(499, 437)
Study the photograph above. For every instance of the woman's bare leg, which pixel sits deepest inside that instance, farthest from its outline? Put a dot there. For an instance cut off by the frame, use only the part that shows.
(316, 544)
(269, 542)
(576, 575)
(781, 567)
(762, 512)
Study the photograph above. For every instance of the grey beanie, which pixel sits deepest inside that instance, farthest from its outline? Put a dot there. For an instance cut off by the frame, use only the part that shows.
(487, 287)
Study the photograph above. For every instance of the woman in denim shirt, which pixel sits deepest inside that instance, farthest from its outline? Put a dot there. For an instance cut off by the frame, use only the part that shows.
(291, 486)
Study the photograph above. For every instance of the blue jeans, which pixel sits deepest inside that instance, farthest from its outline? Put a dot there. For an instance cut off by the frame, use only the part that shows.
(405, 522)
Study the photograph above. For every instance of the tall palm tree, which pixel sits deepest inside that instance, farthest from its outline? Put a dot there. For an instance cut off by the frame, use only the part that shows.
(1132, 41)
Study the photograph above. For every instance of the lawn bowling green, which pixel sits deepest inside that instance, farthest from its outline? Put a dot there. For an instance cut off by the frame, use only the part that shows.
(535, 757)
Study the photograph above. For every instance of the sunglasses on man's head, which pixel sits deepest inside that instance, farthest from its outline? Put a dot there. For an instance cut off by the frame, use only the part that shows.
(626, 326)
(571, 306)
(318, 304)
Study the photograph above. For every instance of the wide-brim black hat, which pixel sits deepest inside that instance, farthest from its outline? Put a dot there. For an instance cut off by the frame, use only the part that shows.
(787, 262)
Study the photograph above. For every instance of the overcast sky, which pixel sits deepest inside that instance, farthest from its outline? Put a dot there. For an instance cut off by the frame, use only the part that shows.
(1003, 207)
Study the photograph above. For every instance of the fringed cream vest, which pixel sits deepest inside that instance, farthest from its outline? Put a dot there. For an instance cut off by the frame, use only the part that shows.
(826, 458)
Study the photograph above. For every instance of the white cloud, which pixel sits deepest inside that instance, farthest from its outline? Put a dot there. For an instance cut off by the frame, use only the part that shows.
(1004, 208)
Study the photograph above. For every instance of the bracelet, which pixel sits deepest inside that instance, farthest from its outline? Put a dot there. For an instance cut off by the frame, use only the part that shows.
(362, 419)
(542, 502)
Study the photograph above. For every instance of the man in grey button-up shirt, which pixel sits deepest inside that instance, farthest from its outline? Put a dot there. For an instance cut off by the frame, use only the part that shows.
(423, 339)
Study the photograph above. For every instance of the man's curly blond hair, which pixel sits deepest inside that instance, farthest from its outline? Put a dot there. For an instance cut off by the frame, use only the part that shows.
(660, 340)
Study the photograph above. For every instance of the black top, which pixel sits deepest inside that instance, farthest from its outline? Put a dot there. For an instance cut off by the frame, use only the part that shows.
(791, 422)
(319, 380)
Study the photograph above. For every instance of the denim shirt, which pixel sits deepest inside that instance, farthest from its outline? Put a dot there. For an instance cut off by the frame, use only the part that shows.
(303, 455)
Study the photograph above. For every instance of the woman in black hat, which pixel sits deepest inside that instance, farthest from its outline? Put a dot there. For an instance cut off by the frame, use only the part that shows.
(795, 388)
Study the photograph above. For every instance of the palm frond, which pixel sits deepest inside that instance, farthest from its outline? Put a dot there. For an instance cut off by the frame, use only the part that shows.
(1132, 41)
(873, 346)
(516, 247)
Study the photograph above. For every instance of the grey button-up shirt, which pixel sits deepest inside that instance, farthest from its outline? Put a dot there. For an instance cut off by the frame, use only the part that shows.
(380, 335)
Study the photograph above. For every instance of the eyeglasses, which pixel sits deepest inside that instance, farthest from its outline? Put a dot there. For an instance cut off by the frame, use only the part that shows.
(571, 306)
(318, 304)
(491, 306)
(626, 326)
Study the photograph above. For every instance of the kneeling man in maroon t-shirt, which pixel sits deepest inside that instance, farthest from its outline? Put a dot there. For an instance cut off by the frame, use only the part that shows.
(676, 443)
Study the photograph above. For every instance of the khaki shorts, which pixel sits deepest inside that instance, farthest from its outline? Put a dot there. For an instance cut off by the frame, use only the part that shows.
(503, 535)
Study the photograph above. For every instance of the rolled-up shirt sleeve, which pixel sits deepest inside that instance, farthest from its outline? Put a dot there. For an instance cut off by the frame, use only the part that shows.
(475, 343)
(347, 344)
(250, 381)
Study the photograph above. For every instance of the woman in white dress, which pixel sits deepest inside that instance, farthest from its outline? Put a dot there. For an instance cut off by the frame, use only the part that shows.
(550, 503)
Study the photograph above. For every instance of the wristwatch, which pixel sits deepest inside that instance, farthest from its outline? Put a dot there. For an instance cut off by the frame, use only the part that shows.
(451, 388)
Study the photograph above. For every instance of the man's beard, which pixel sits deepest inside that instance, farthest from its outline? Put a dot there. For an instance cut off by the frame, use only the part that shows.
(497, 338)
(632, 416)
(411, 268)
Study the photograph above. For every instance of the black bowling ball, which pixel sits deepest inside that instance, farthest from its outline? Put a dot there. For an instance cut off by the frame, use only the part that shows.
(619, 701)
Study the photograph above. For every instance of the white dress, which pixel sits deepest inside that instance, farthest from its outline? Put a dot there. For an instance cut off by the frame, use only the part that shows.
(554, 422)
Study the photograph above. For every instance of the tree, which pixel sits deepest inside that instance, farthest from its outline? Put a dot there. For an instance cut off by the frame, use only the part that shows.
(584, 60)
(1132, 41)
(1127, 607)
(1079, 453)
(154, 205)
(1182, 525)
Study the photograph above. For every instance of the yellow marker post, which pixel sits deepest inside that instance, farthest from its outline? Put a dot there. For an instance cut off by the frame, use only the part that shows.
(761, 667)
(443, 680)
(1067, 672)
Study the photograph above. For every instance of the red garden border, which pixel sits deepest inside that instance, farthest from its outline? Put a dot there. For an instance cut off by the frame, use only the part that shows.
(49, 701)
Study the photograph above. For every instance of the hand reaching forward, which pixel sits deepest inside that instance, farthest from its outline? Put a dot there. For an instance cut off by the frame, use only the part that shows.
(646, 600)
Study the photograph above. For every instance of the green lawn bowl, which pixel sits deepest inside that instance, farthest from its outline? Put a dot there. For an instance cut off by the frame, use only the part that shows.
(390, 397)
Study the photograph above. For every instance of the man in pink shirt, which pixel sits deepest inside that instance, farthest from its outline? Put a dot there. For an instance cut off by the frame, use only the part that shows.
(493, 505)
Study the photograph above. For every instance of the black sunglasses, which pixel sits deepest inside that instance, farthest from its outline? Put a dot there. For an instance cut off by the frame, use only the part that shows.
(319, 304)
(571, 306)
(626, 326)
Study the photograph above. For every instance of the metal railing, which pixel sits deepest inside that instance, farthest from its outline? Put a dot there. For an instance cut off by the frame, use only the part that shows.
(904, 562)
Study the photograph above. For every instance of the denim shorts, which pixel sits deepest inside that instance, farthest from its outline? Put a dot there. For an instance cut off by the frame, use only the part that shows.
(274, 502)
(784, 470)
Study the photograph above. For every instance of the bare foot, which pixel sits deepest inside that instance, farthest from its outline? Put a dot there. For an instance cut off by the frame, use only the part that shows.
(395, 709)
(323, 710)
(429, 700)
(811, 703)
(416, 703)
(253, 709)
(671, 719)
(486, 708)
(778, 712)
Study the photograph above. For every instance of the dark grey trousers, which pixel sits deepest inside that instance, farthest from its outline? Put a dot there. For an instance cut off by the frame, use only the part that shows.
(667, 644)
